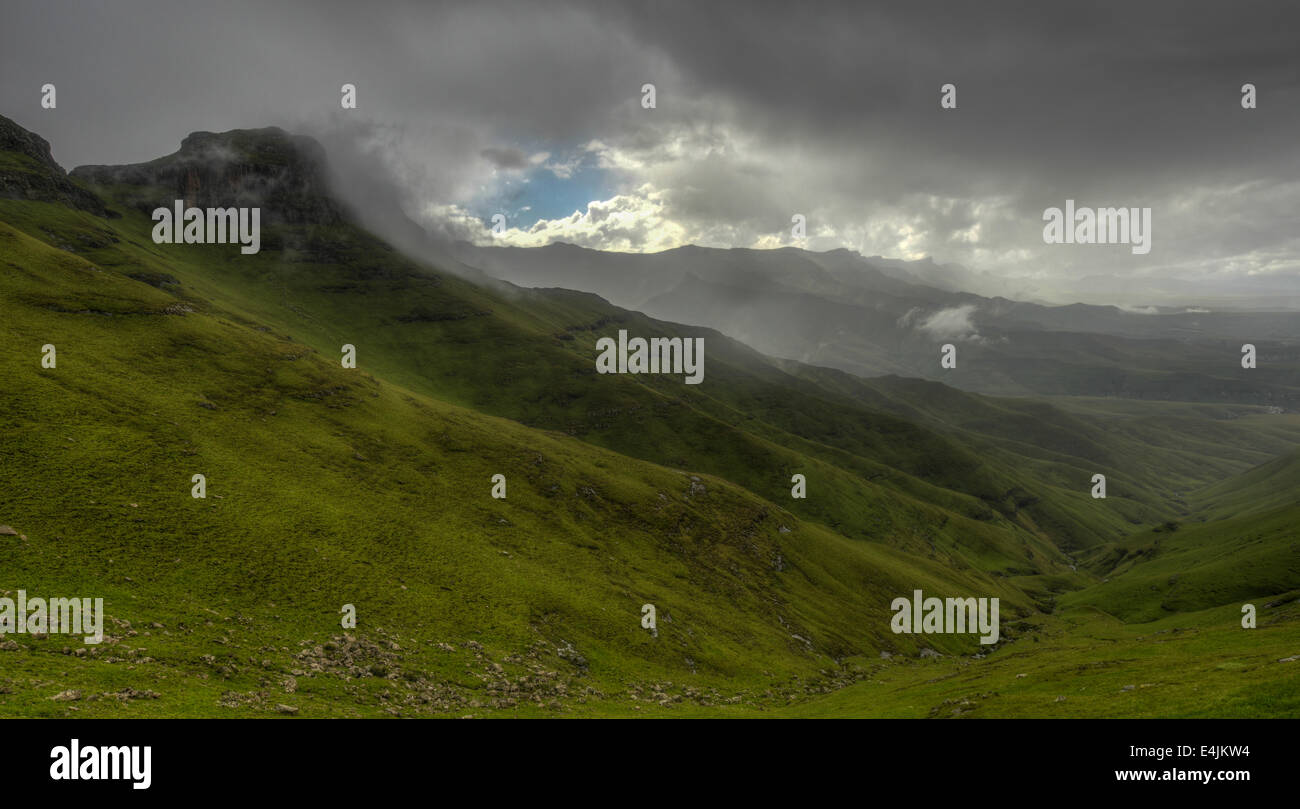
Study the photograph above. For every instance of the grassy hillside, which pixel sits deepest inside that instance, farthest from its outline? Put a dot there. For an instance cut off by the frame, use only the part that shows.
(328, 486)
(1240, 545)
(1085, 663)
(1153, 454)
(750, 422)
(876, 477)
(1268, 487)
(1177, 568)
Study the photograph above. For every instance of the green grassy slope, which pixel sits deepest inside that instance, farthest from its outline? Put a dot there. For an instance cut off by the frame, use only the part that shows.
(877, 477)
(1268, 487)
(1235, 561)
(1153, 454)
(1241, 545)
(1085, 663)
(327, 486)
(1232, 541)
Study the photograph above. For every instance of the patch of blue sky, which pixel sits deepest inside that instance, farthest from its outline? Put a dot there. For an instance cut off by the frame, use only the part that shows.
(539, 193)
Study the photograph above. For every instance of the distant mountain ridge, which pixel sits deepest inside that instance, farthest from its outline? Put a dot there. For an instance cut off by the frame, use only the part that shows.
(838, 309)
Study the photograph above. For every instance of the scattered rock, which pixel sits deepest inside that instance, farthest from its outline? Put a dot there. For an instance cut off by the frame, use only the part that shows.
(6, 531)
(71, 695)
(885, 655)
(568, 652)
(127, 694)
(928, 652)
(286, 709)
(1021, 676)
(1128, 688)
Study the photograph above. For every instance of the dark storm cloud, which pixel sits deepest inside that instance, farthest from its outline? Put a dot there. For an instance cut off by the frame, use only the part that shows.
(763, 110)
(1066, 99)
(506, 158)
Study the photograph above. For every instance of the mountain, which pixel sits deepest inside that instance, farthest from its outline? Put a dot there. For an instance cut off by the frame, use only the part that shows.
(840, 310)
(30, 173)
(282, 174)
(371, 487)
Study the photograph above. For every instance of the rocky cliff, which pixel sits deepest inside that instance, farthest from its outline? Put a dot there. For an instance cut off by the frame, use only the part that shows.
(285, 175)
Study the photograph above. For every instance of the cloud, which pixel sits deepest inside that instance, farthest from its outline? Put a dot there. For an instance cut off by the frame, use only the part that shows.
(953, 323)
(632, 222)
(565, 169)
(506, 158)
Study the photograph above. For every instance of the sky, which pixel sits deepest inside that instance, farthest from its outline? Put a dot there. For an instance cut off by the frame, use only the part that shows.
(763, 111)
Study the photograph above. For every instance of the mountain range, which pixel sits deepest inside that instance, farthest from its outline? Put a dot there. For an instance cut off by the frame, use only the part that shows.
(872, 317)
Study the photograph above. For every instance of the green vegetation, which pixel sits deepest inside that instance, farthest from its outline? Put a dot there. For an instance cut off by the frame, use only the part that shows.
(1084, 663)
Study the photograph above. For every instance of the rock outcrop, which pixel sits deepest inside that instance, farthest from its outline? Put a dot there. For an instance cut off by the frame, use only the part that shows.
(28, 172)
(284, 175)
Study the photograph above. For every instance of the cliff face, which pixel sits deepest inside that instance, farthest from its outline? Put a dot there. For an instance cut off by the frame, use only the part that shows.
(284, 175)
(28, 171)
